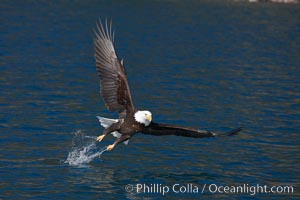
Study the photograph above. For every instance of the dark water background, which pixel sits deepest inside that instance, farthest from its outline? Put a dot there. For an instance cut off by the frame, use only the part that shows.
(213, 65)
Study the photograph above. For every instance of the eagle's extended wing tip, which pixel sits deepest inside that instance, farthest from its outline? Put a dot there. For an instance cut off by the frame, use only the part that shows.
(233, 132)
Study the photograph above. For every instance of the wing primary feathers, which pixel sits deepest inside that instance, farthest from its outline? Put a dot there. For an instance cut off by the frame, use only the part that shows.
(113, 79)
(230, 133)
(166, 129)
(110, 31)
(113, 36)
(106, 28)
(100, 30)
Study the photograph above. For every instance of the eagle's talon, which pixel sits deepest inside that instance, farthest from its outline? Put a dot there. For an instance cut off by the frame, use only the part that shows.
(100, 138)
(110, 147)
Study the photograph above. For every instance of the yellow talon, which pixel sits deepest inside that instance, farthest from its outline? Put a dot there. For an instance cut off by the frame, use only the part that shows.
(110, 147)
(100, 138)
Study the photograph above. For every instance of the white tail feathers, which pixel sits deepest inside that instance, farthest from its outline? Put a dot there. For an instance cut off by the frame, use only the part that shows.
(106, 122)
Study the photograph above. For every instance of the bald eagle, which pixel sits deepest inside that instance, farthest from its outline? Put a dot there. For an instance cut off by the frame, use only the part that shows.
(117, 97)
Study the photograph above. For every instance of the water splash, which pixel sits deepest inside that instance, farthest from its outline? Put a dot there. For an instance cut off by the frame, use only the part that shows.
(84, 150)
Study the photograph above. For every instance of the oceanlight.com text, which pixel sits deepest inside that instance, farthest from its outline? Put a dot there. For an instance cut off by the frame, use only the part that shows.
(162, 189)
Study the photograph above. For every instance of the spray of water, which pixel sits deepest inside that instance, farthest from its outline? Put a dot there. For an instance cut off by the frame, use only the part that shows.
(84, 150)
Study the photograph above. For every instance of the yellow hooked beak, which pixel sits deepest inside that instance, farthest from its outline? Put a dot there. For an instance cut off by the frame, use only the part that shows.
(149, 118)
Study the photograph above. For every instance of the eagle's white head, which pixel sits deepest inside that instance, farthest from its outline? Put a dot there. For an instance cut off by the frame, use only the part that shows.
(144, 117)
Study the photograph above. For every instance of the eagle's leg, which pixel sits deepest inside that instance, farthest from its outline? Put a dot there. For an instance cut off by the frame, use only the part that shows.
(112, 128)
(123, 138)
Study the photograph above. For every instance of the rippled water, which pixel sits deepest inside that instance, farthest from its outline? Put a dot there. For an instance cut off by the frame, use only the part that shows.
(214, 65)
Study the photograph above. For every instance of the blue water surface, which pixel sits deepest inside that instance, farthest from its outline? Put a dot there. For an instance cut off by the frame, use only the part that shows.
(212, 65)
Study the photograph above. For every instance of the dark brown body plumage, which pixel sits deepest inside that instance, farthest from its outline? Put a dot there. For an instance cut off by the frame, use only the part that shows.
(130, 126)
(127, 127)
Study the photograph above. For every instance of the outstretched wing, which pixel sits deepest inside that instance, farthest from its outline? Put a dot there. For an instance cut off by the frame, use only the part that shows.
(113, 79)
(165, 129)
